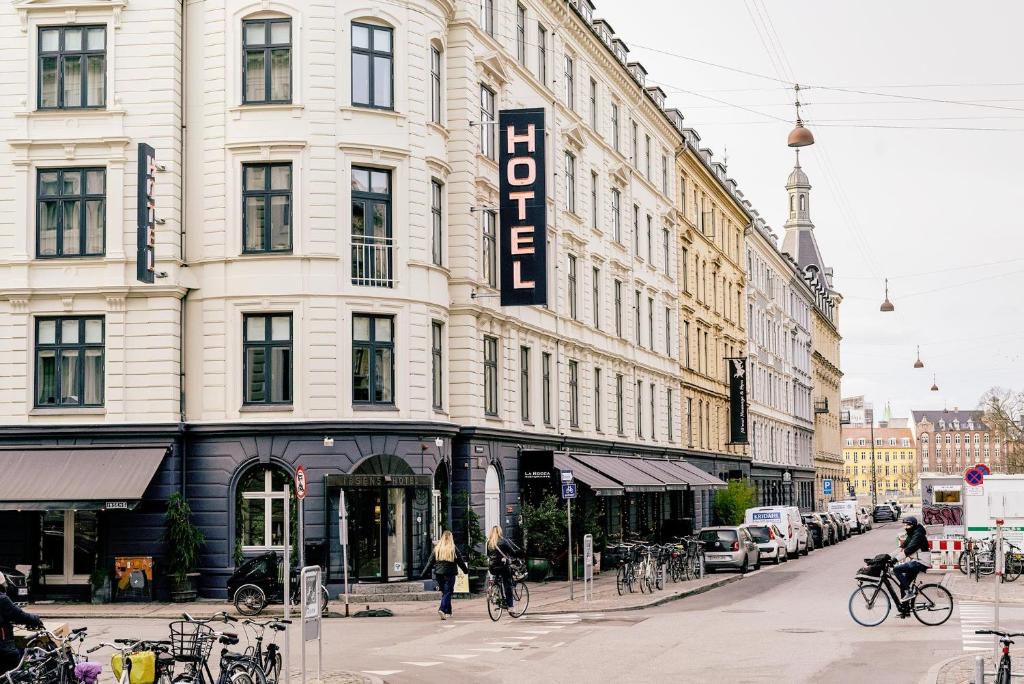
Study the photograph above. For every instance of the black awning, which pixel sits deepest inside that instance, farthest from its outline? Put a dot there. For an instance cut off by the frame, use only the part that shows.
(620, 470)
(598, 482)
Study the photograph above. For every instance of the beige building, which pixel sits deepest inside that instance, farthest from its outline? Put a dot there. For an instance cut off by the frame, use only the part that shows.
(802, 246)
(887, 467)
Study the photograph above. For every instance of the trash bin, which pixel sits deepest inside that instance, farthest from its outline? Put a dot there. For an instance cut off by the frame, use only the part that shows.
(316, 553)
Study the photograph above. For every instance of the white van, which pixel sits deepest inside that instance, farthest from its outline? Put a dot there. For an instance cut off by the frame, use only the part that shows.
(851, 511)
(787, 519)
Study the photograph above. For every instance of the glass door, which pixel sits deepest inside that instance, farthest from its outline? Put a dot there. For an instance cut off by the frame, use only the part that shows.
(365, 518)
(69, 540)
(396, 534)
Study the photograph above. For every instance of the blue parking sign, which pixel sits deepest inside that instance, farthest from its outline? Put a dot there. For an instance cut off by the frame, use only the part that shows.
(568, 490)
(826, 487)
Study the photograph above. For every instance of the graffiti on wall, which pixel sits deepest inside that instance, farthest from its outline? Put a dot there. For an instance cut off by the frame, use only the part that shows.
(943, 515)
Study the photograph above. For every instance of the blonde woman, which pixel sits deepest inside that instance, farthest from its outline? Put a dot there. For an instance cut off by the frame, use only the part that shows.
(445, 560)
(500, 554)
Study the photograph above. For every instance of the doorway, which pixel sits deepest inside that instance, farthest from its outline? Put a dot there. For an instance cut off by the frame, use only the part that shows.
(68, 546)
(492, 499)
(378, 530)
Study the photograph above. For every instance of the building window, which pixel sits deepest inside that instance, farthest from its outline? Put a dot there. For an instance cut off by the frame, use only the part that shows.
(618, 308)
(268, 61)
(545, 372)
(650, 240)
(636, 230)
(647, 156)
(665, 245)
(521, 34)
(664, 174)
(372, 66)
(668, 331)
(570, 83)
(524, 383)
(260, 504)
(620, 417)
(617, 215)
(640, 409)
(373, 359)
(72, 67)
(436, 359)
(593, 104)
(650, 323)
(572, 287)
(490, 248)
(684, 261)
(71, 212)
(686, 344)
(372, 262)
(268, 358)
(689, 421)
(487, 123)
(595, 297)
(267, 200)
(436, 190)
(636, 317)
(635, 149)
(574, 394)
(570, 182)
(69, 362)
(491, 376)
(669, 408)
(542, 54)
(435, 85)
(597, 399)
(654, 426)
(615, 126)
(487, 16)
(593, 201)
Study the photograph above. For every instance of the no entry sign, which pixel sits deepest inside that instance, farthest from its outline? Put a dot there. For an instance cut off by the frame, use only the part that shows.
(974, 477)
(985, 470)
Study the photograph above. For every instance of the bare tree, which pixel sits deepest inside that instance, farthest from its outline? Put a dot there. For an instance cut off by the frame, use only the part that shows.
(908, 479)
(1004, 416)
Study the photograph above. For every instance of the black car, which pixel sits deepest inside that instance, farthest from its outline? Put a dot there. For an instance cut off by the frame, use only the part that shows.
(815, 535)
(17, 585)
(883, 512)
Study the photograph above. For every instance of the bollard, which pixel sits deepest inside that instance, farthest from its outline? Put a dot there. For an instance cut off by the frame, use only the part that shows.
(979, 670)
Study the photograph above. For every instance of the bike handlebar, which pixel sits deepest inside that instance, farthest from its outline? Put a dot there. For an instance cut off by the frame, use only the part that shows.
(998, 633)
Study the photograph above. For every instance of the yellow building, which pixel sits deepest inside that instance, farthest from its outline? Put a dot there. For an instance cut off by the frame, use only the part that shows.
(711, 277)
(889, 465)
(801, 244)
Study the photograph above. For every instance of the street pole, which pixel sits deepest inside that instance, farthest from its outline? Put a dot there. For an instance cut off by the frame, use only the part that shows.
(874, 473)
(568, 515)
(999, 580)
(288, 584)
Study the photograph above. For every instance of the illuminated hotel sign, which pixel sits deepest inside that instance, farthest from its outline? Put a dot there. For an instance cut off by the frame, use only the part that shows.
(146, 240)
(523, 207)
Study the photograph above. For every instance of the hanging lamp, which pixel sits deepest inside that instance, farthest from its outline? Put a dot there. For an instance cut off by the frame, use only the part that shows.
(799, 136)
(935, 387)
(887, 305)
(918, 363)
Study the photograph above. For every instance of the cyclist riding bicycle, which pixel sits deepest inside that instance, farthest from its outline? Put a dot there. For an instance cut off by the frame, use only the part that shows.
(500, 554)
(11, 615)
(915, 550)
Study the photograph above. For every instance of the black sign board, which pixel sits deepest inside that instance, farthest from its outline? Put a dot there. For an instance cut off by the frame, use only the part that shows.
(145, 262)
(523, 207)
(737, 400)
(378, 480)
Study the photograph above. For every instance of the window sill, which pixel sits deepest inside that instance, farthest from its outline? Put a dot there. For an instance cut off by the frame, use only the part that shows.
(83, 113)
(262, 408)
(294, 109)
(68, 411)
(440, 129)
(348, 110)
(390, 408)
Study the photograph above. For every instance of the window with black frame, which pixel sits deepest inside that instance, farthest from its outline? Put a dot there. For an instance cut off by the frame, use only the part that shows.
(267, 358)
(436, 211)
(491, 376)
(372, 66)
(72, 67)
(267, 208)
(437, 388)
(372, 258)
(373, 359)
(69, 362)
(267, 77)
(71, 213)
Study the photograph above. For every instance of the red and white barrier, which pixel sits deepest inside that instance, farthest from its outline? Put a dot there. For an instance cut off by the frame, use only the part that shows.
(945, 553)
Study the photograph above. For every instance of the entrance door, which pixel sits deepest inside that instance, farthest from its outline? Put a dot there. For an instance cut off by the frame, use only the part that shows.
(365, 516)
(492, 499)
(396, 534)
(69, 546)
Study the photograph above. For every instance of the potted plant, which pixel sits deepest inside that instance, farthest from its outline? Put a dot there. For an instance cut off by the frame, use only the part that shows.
(184, 541)
(99, 580)
(544, 532)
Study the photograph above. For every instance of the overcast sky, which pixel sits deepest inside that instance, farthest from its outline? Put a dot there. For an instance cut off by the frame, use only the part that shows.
(886, 201)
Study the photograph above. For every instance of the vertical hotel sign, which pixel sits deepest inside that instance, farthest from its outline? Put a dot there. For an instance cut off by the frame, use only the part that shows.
(146, 240)
(737, 400)
(523, 207)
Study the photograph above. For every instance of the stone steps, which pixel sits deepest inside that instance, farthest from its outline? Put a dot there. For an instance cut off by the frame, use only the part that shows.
(388, 597)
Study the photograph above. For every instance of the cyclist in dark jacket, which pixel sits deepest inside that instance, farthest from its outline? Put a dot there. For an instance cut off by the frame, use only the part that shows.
(500, 554)
(11, 615)
(445, 561)
(914, 543)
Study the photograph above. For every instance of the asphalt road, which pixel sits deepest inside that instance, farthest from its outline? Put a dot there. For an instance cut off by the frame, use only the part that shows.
(782, 624)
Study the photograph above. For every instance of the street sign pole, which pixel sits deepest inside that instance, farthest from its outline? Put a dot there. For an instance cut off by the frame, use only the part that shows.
(287, 583)
(999, 580)
(343, 538)
(568, 514)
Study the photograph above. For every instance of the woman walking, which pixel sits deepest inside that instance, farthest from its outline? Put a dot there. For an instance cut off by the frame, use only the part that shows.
(500, 553)
(445, 561)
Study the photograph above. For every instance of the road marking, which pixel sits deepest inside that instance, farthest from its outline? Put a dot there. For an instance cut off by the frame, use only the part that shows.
(974, 616)
(430, 664)
(523, 638)
(381, 673)
(560, 643)
(459, 656)
(536, 631)
(487, 650)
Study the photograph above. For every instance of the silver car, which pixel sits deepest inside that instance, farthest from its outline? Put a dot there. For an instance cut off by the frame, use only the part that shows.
(729, 546)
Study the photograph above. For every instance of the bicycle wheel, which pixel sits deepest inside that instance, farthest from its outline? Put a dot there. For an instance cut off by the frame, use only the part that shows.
(641, 577)
(649, 573)
(869, 605)
(620, 580)
(494, 603)
(521, 593)
(986, 563)
(631, 578)
(963, 561)
(659, 578)
(1003, 675)
(272, 667)
(932, 605)
(250, 600)
(247, 673)
(1014, 567)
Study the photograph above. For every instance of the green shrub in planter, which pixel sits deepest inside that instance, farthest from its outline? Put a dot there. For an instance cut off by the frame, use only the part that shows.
(184, 542)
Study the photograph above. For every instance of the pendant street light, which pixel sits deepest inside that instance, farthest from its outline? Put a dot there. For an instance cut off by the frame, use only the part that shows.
(799, 136)
(918, 363)
(887, 305)
(935, 388)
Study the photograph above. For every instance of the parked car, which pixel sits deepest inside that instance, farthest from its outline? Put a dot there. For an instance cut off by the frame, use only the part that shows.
(841, 529)
(884, 513)
(816, 536)
(864, 519)
(729, 547)
(849, 527)
(17, 589)
(771, 544)
(787, 520)
(851, 512)
(831, 529)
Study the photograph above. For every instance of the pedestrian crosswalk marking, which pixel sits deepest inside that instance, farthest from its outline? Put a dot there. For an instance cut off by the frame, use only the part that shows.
(488, 650)
(975, 616)
(422, 664)
(381, 673)
(460, 656)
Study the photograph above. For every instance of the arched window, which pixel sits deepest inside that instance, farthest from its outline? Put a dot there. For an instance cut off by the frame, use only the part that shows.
(957, 440)
(259, 508)
(803, 202)
(948, 439)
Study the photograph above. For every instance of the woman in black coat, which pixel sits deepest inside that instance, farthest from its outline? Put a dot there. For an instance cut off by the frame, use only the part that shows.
(445, 561)
(11, 615)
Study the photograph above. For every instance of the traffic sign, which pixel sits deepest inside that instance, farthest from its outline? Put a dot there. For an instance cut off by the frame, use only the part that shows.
(826, 487)
(300, 483)
(985, 470)
(974, 477)
(567, 476)
(568, 490)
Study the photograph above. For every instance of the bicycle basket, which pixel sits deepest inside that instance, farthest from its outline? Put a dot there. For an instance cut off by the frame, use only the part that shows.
(519, 570)
(143, 667)
(191, 641)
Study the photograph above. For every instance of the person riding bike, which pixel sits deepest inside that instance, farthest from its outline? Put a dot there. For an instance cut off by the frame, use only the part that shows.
(500, 554)
(918, 557)
(10, 615)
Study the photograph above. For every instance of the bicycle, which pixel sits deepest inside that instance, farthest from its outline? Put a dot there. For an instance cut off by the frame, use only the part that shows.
(625, 575)
(134, 653)
(931, 604)
(1014, 563)
(192, 643)
(269, 659)
(520, 594)
(51, 658)
(694, 558)
(1004, 673)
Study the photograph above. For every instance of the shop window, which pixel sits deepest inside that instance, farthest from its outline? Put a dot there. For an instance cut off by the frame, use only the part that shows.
(259, 509)
(268, 359)
(72, 67)
(372, 66)
(71, 212)
(373, 359)
(267, 44)
(69, 362)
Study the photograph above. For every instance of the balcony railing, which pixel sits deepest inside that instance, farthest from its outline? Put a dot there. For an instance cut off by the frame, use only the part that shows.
(372, 261)
(821, 405)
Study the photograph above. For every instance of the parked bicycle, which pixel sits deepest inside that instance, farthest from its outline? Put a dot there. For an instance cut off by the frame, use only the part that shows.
(269, 659)
(151, 659)
(872, 600)
(192, 643)
(49, 658)
(1014, 562)
(520, 593)
(257, 582)
(1004, 673)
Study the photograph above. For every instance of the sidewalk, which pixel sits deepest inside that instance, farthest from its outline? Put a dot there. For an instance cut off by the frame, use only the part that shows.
(958, 670)
(547, 598)
(964, 588)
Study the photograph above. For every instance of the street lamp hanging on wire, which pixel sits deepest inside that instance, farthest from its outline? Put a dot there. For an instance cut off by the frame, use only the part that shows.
(918, 363)
(887, 305)
(935, 387)
(799, 136)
